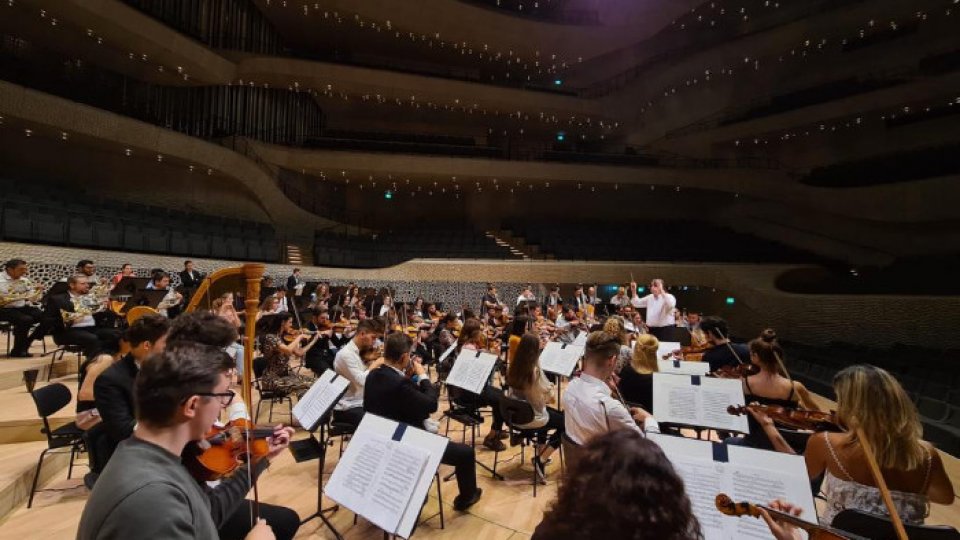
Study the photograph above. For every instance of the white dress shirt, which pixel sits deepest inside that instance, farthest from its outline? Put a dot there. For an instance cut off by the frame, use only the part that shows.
(659, 310)
(589, 410)
(6, 283)
(348, 365)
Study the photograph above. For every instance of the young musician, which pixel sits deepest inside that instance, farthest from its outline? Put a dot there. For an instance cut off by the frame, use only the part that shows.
(145, 491)
(172, 302)
(870, 398)
(588, 405)
(472, 339)
(660, 305)
(490, 299)
(296, 283)
(723, 352)
(622, 486)
(636, 376)
(125, 271)
(349, 364)
(278, 375)
(17, 293)
(400, 390)
(527, 382)
(190, 278)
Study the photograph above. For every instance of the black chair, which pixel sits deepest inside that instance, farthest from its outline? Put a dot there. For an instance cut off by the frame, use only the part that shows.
(60, 352)
(7, 328)
(272, 396)
(879, 527)
(49, 400)
(463, 408)
(518, 412)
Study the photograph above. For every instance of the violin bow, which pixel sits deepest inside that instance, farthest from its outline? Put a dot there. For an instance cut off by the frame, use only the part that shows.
(881, 483)
(729, 346)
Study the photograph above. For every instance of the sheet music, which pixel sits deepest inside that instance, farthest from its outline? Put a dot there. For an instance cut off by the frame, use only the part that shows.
(698, 401)
(560, 358)
(667, 347)
(471, 372)
(581, 339)
(383, 479)
(756, 476)
(447, 352)
(325, 392)
(682, 367)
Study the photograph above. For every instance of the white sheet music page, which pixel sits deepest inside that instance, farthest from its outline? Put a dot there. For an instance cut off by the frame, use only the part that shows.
(698, 401)
(667, 347)
(755, 476)
(560, 358)
(321, 397)
(682, 367)
(472, 370)
(581, 339)
(383, 479)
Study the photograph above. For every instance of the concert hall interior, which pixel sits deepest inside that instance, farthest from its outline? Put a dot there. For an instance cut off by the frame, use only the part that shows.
(550, 269)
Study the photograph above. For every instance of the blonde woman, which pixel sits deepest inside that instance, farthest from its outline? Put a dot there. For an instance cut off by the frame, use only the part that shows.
(870, 398)
(224, 308)
(636, 377)
(615, 326)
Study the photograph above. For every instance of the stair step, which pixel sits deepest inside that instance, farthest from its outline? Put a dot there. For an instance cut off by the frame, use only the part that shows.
(16, 475)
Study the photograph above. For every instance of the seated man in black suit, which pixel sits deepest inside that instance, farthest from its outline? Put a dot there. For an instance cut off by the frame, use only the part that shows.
(113, 389)
(72, 327)
(400, 390)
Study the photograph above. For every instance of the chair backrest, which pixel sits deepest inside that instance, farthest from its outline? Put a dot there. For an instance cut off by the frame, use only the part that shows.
(259, 366)
(877, 527)
(516, 411)
(51, 398)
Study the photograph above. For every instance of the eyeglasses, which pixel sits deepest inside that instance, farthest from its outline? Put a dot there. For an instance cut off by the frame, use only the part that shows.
(225, 397)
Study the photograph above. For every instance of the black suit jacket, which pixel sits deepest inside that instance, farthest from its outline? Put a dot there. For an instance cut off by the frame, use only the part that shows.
(113, 394)
(191, 282)
(389, 394)
(52, 318)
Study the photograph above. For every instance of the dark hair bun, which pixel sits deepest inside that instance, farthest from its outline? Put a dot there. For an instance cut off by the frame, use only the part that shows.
(769, 335)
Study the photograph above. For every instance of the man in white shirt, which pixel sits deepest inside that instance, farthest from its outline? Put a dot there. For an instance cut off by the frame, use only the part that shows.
(660, 305)
(15, 289)
(71, 327)
(349, 364)
(526, 295)
(588, 406)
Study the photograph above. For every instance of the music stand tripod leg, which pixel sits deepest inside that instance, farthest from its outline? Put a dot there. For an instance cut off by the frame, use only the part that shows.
(322, 441)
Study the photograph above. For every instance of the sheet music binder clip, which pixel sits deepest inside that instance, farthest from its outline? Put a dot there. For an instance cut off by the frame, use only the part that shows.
(564, 346)
(720, 453)
(398, 433)
(695, 380)
(478, 354)
(676, 363)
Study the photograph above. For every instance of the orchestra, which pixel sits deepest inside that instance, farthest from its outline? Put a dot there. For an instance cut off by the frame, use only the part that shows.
(611, 388)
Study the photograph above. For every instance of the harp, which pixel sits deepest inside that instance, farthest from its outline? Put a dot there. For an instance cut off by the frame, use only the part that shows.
(244, 279)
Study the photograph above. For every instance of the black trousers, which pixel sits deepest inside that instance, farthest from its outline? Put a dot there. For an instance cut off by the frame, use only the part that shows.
(489, 397)
(555, 423)
(349, 416)
(463, 459)
(284, 521)
(22, 319)
(91, 339)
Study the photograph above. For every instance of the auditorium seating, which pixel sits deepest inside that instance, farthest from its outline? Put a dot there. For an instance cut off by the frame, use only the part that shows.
(46, 214)
(387, 249)
(889, 168)
(652, 241)
(928, 375)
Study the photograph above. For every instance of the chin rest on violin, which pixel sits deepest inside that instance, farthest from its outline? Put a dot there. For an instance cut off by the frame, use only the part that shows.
(224, 449)
(738, 371)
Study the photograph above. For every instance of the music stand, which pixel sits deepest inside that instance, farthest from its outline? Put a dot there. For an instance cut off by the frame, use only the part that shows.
(147, 297)
(316, 447)
(266, 291)
(129, 285)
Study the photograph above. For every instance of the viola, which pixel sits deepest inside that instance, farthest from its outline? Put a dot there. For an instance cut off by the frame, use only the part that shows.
(738, 371)
(800, 419)
(224, 449)
(816, 532)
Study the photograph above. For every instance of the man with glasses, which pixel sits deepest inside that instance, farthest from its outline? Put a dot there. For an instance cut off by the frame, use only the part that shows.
(589, 407)
(145, 491)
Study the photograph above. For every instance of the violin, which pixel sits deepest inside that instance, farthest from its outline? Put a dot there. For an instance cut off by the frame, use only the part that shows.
(738, 371)
(293, 335)
(224, 449)
(816, 532)
(800, 419)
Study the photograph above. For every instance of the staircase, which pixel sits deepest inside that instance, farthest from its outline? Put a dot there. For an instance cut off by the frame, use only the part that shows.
(518, 246)
(297, 253)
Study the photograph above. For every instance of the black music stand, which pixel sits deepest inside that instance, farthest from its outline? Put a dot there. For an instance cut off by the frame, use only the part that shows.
(147, 297)
(316, 448)
(129, 285)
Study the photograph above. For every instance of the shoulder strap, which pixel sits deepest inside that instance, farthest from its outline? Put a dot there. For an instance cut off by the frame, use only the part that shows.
(833, 455)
